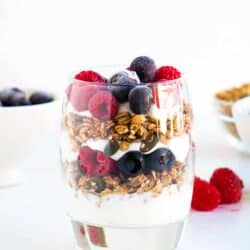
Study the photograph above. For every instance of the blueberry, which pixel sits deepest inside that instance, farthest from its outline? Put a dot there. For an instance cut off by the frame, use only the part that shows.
(160, 160)
(124, 74)
(144, 67)
(140, 99)
(131, 163)
(13, 97)
(40, 97)
(1, 104)
(116, 77)
(122, 88)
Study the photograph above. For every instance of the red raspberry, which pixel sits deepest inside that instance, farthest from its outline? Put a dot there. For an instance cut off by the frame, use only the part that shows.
(106, 165)
(82, 231)
(167, 73)
(87, 158)
(103, 106)
(90, 76)
(93, 235)
(229, 185)
(94, 162)
(205, 196)
(79, 94)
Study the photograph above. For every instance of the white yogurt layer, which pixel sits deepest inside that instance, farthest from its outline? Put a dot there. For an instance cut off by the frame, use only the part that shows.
(66, 149)
(131, 210)
(178, 145)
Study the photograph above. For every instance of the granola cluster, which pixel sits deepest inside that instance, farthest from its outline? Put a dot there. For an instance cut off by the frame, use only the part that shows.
(153, 181)
(126, 128)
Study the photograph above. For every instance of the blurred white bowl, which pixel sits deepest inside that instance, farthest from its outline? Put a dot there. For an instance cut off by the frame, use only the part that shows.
(23, 130)
(241, 114)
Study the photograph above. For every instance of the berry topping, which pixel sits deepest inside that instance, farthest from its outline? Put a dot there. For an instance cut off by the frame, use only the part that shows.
(167, 73)
(131, 163)
(206, 197)
(103, 106)
(79, 94)
(121, 88)
(40, 97)
(159, 160)
(90, 76)
(93, 162)
(13, 97)
(229, 185)
(144, 67)
(140, 99)
(124, 74)
(105, 167)
(87, 160)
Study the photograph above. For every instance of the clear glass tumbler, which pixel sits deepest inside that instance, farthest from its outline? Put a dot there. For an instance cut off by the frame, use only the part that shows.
(127, 163)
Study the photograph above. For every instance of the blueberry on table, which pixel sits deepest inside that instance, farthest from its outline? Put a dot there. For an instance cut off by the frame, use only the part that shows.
(13, 97)
(40, 97)
(140, 99)
(131, 164)
(160, 160)
(144, 67)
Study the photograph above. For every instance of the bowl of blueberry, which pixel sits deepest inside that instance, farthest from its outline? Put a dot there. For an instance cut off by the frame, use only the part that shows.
(28, 118)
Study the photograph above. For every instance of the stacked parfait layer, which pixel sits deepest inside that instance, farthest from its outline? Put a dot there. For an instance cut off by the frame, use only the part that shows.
(126, 135)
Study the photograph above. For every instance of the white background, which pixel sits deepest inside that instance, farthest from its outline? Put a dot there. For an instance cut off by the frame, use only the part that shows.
(43, 42)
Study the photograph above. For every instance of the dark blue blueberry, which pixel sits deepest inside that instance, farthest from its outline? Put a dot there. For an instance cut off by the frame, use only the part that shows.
(159, 160)
(132, 163)
(13, 97)
(140, 99)
(40, 97)
(144, 67)
(122, 88)
(116, 77)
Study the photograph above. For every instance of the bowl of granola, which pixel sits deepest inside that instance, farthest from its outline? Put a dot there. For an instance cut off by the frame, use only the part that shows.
(224, 102)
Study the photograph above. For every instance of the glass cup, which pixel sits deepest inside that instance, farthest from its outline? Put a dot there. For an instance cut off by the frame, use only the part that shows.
(127, 163)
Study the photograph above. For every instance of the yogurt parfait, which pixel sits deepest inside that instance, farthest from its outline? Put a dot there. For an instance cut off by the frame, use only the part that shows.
(127, 156)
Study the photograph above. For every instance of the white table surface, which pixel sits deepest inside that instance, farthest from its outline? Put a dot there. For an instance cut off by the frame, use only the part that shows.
(32, 215)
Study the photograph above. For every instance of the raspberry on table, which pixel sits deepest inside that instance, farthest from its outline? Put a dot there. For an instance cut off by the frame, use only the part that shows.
(167, 73)
(229, 185)
(206, 197)
(90, 76)
(103, 105)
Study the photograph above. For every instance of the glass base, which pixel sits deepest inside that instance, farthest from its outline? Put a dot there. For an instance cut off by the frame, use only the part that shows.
(98, 238)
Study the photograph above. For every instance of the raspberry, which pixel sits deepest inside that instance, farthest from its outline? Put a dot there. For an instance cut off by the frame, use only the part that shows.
(82, 231)
(87, 158)
(93, 235)
(79, 94)
(205, 196)
(103, 106)
(106, 165)
(95, 163)
(167, 73)
(90, 76)
(229, 185)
